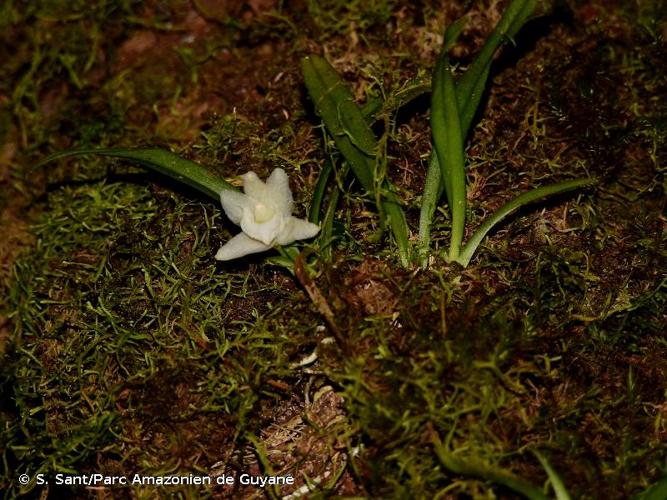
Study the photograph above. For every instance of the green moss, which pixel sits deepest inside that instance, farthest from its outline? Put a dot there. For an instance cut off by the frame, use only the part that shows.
(128, 348)
(342, 17)
(118, 308)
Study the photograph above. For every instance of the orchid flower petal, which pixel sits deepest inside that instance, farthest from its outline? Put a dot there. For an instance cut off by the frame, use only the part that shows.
(297, 229)
(234, 203)
(255, 188)
(278, 183)
(240, 246)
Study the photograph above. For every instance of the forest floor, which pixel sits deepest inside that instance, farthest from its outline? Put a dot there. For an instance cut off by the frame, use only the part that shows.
(126, 348)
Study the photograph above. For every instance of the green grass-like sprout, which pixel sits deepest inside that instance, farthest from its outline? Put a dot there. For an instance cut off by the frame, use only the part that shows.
(453, 107)
(355, 140)
(160, 161)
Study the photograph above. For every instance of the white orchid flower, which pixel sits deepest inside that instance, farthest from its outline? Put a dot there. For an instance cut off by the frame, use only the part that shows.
(264, 213)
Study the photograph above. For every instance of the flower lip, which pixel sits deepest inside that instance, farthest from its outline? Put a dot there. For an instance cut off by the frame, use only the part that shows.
(267, 232)
(263, 212)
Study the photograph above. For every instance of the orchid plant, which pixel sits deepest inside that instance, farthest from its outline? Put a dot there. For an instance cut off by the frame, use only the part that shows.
(264, 211)
(454, 104)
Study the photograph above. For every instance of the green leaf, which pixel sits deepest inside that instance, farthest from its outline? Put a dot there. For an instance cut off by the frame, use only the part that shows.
(430, 197)
(466, 109)
(327, 91)
(472, 83)
(512, 206)
(325, 238)
(657, 491)
(161, 161)
(487, 473)
(355, 140)
(556, 482)
(318, 192)
(326, 234)
(448, 145)
(469, 91)
(453, 32)
(469, 102)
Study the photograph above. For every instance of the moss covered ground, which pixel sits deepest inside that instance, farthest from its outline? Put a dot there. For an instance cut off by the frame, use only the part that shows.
(126, 348)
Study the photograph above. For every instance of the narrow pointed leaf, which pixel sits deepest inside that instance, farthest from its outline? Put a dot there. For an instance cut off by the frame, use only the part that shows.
(326, 234)
(473, 96)
(318, 192)
(469, 91)
(485, 472)
(326, 237)
(473, 81)
(453, 32)
(158, 160)
(512, 206)
(431, 195)
(448, 145)
(556, 482)
(432, 191)
(327, 91)
(354, 138)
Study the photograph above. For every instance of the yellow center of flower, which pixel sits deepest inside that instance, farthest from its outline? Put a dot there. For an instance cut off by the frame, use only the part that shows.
(262, 213)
